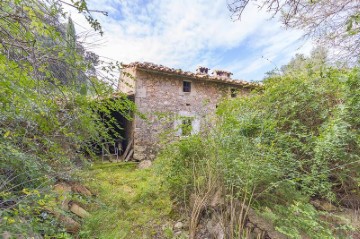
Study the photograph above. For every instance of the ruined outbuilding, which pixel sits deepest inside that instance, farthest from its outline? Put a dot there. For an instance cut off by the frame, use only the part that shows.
(175, 103)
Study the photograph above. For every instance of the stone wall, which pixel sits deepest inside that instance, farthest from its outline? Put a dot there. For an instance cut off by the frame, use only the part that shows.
(127, 81)
(161, 99)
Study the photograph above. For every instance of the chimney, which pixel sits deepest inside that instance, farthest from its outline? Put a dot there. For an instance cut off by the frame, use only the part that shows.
(202, 70)
(222, 74)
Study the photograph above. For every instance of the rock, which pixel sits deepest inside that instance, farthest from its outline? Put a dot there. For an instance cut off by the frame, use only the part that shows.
(215, 229)
(139, 156)
(219, 231)
(70, 224)
(264, 225)
(217, 200)
(65, 205)
(80, 189)
(6, 235)
(178, 226)
(250, 226)
(79, 211)
(178, 233)
(355, 234)
(139, 148)
(144, 164)
(62, 188)
(324, 206)
(257, 232)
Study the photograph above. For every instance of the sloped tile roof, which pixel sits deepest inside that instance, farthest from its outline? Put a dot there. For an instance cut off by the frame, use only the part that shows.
(147, 66)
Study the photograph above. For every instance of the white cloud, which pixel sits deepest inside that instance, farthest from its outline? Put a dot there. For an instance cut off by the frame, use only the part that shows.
(187, 33)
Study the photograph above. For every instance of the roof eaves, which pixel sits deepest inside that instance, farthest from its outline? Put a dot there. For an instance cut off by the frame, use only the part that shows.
(151, 67)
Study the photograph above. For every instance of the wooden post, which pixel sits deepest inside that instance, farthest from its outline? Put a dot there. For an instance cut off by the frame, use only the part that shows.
(129, 155)
(129, 146)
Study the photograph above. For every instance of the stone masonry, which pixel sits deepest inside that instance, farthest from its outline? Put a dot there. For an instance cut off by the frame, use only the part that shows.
(171, 99)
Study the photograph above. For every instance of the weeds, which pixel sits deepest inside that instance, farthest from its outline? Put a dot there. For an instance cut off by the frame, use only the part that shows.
(131, 203)
(295, 141)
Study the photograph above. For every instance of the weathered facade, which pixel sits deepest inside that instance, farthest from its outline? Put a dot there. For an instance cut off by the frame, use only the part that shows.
(175, 103)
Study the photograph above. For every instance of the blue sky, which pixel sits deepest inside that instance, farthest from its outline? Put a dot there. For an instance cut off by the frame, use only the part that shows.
(188, 33)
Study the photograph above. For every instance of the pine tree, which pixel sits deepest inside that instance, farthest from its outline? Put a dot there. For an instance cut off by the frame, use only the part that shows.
(71, 36)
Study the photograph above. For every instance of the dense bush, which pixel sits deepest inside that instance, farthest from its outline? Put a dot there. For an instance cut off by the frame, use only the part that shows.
(49, 113)
(297, 138)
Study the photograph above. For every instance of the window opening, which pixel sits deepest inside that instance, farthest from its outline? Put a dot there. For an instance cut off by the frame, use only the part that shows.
(233, 93)
(186, 127)
(186, 86)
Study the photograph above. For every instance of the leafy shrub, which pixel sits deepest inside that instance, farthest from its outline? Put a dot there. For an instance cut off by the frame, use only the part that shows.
(299, 219)
(49, 112)
(295, 139)
(181, 161)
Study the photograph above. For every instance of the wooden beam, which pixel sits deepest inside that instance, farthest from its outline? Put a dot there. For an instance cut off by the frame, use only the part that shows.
(129, 155)
(129, 146)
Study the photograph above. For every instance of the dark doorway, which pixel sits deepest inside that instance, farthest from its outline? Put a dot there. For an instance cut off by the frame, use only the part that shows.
(121, 125)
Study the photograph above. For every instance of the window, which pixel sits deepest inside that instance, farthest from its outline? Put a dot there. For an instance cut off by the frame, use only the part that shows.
(186, 127)
(186, 86)
(233, 93)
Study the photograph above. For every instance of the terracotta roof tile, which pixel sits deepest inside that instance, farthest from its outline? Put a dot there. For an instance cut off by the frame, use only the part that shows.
(167, 70)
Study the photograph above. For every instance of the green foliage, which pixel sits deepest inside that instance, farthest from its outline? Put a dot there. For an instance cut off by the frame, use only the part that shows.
(298, 127)
(71, 36)
(179, 162)
(299, 219)
(130, 202)
(29, 218)
(335, 25)
(296, 139)
(47, 121)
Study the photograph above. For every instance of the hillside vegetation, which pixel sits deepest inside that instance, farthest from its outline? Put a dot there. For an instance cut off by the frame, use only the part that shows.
(282, 162)
(283, 151)
(49, 113)
(130, 203)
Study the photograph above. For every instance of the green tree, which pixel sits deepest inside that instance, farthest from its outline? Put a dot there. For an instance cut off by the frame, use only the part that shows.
(71, 36)
(317, 60)
(45, 121)
(334, 23)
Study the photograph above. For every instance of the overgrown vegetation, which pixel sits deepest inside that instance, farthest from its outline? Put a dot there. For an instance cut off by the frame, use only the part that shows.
(294, 141)
(130, 203)
(49, 116)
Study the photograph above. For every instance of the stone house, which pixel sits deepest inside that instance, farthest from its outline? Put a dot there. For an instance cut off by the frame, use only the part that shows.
(175, 103)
